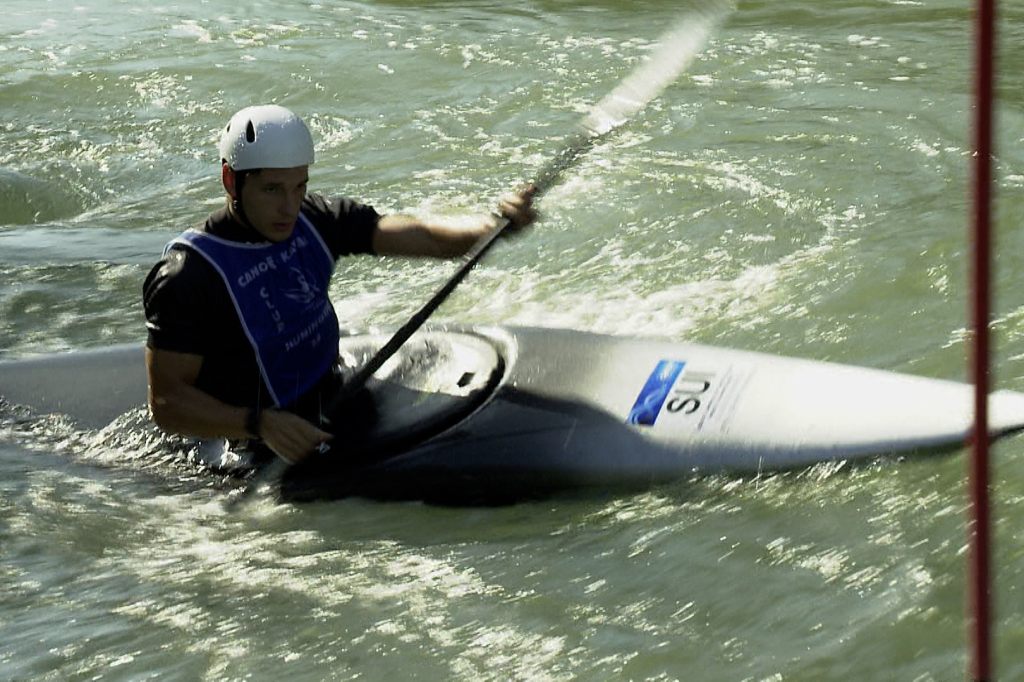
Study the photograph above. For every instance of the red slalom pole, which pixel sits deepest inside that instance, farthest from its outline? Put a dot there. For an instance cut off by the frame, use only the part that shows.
(978, 537)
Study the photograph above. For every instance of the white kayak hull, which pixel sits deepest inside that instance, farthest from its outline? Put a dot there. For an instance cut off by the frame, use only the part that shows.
(562, 409)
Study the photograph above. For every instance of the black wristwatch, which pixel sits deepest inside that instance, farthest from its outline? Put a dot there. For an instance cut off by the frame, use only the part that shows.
(252, 422)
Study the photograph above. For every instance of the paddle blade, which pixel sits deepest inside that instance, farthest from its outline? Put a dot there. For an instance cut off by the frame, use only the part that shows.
(676, 49)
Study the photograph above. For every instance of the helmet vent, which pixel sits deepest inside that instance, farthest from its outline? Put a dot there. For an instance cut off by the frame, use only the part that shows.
(250, 133)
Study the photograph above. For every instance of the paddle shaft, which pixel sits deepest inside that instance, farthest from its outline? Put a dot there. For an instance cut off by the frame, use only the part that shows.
(678, 47)
(547, 178)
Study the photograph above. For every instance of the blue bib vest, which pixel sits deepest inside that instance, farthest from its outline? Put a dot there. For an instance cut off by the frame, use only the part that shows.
(280, 294)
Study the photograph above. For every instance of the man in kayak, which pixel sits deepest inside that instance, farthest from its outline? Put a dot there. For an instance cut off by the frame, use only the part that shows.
(243, 339)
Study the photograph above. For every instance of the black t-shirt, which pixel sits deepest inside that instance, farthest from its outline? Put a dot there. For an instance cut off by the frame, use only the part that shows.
(188, 308)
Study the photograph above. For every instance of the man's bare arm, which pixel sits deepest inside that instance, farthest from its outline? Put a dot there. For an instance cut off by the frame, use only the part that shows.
(400, 235)
(176, 405)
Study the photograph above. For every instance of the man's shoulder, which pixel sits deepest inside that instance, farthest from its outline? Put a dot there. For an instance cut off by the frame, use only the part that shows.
(315, 203)
(345, 224)
(337, 208)
(184, 296)
(180, 270)
(180, 296)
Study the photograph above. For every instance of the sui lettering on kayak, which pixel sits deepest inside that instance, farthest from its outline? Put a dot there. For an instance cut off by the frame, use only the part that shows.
(686, 395)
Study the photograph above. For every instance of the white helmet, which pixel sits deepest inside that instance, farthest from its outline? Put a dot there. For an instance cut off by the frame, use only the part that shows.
(267, 136)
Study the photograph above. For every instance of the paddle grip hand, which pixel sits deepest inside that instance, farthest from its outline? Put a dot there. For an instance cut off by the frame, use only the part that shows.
(291, 437)
(516, 210)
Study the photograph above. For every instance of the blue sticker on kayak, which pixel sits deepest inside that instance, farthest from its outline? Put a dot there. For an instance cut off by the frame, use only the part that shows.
(652, 396)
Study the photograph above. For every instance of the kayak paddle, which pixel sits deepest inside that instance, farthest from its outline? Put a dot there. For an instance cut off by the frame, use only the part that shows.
(676, 50)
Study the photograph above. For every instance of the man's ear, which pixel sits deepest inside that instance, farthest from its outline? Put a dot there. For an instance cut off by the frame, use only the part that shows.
(227, 178)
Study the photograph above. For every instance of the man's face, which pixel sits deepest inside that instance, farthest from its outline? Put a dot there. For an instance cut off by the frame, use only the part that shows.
(271, 199)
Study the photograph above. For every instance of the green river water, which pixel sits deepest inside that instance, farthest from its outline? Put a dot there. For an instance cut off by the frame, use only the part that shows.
(802, 190)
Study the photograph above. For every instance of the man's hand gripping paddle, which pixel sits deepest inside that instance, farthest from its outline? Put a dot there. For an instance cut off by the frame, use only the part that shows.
(676, 50)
